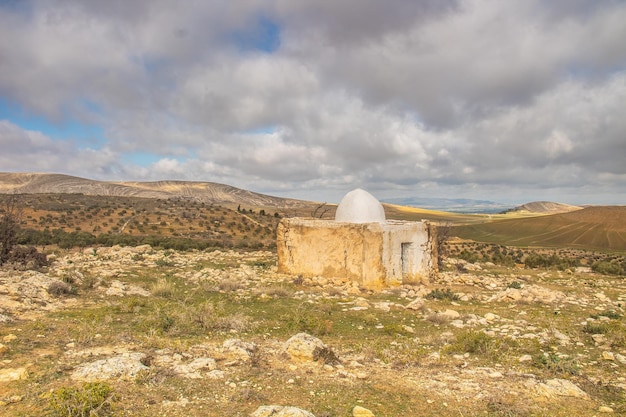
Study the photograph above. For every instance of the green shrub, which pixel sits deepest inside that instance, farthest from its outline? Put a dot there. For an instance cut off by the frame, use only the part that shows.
(611, 314)
(442, 294)
(309, 320)
(468, 256)
(607, 268)
(595, 328)
(92, 399)
(472, 342)
(535, 260)
(556, 364)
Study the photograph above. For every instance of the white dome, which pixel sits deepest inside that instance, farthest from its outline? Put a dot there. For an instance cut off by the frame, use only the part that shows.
(359, 206)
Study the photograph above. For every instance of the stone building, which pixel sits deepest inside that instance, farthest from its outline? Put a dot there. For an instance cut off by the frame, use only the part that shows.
(359, 245)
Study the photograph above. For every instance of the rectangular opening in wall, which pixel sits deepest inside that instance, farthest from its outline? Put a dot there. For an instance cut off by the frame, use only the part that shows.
(408, 249)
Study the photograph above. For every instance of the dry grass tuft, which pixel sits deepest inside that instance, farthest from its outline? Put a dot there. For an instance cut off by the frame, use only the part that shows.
(163, 288)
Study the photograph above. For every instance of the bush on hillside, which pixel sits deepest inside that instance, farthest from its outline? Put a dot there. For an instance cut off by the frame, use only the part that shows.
(26, 258)
(607, 268)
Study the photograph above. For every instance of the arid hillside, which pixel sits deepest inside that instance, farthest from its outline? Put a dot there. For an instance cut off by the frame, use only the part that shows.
(208, 192)
(545, 207)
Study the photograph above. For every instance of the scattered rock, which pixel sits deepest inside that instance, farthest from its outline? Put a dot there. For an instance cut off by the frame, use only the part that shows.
(13, 374)
(359, 411)
(416, 304)
(192, 370)
(11, 400)
(280, 411)
(121, 289)
(560, 388)
(240, 349)
(125, 366)
(9, 338)
(450, 314)
(490, 317)
(303, 347)
(605, 409)
(215, 374)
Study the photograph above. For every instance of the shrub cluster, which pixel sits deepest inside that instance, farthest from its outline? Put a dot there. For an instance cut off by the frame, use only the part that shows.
(609, 268)
(67, 240)
(445, 294)
(535, 260)
(92, 399)
(26, 257)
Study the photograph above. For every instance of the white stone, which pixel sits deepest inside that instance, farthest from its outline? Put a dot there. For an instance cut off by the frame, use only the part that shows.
(280, 411)
(302, 347)
(13, 374)
(561, 388)
(359, 411)
(450, 314)
(359, 206)
(125, 366)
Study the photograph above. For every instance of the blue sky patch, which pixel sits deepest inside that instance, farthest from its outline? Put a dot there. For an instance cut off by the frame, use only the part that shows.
(263, 36)
(87, 135)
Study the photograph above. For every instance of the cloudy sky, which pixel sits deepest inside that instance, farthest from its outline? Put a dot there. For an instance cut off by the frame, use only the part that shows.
(511, 101)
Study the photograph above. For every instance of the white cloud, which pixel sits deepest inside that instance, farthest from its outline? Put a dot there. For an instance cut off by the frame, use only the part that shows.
(33, 151)
(402, 96)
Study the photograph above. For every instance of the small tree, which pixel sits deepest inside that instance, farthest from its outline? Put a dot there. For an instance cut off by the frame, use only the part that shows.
(9, 226)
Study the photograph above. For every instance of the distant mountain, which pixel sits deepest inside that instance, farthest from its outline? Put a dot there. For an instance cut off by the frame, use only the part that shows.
(454, 205)
(210, 192)
(545, 207)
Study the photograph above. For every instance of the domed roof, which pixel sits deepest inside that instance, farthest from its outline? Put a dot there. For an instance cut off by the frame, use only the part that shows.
(359, 206)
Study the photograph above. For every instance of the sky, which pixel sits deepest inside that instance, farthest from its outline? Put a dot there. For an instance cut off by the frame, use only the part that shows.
(509, 101)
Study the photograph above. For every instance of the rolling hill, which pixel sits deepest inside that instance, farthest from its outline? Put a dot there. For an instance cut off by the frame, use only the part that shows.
(544, 207)
(208, 192)
(599, 227)
(532, 224)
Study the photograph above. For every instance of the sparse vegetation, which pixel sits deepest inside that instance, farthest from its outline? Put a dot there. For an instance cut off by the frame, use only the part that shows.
(558, 365)
(490, 353)
(90, 400)
(442, 294)
(163, 288)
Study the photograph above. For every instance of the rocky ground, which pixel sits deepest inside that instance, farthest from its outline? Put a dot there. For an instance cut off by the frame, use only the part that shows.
(223, 334)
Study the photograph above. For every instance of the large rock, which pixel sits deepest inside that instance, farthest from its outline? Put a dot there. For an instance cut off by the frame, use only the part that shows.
(359, 411)
(125, 366)
(193, 369)
(560, 388)
(239, 349)
(280, 411)
(13, 374)
(303, 347)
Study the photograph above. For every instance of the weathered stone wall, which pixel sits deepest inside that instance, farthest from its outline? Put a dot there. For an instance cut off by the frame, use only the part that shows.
(369, 253)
